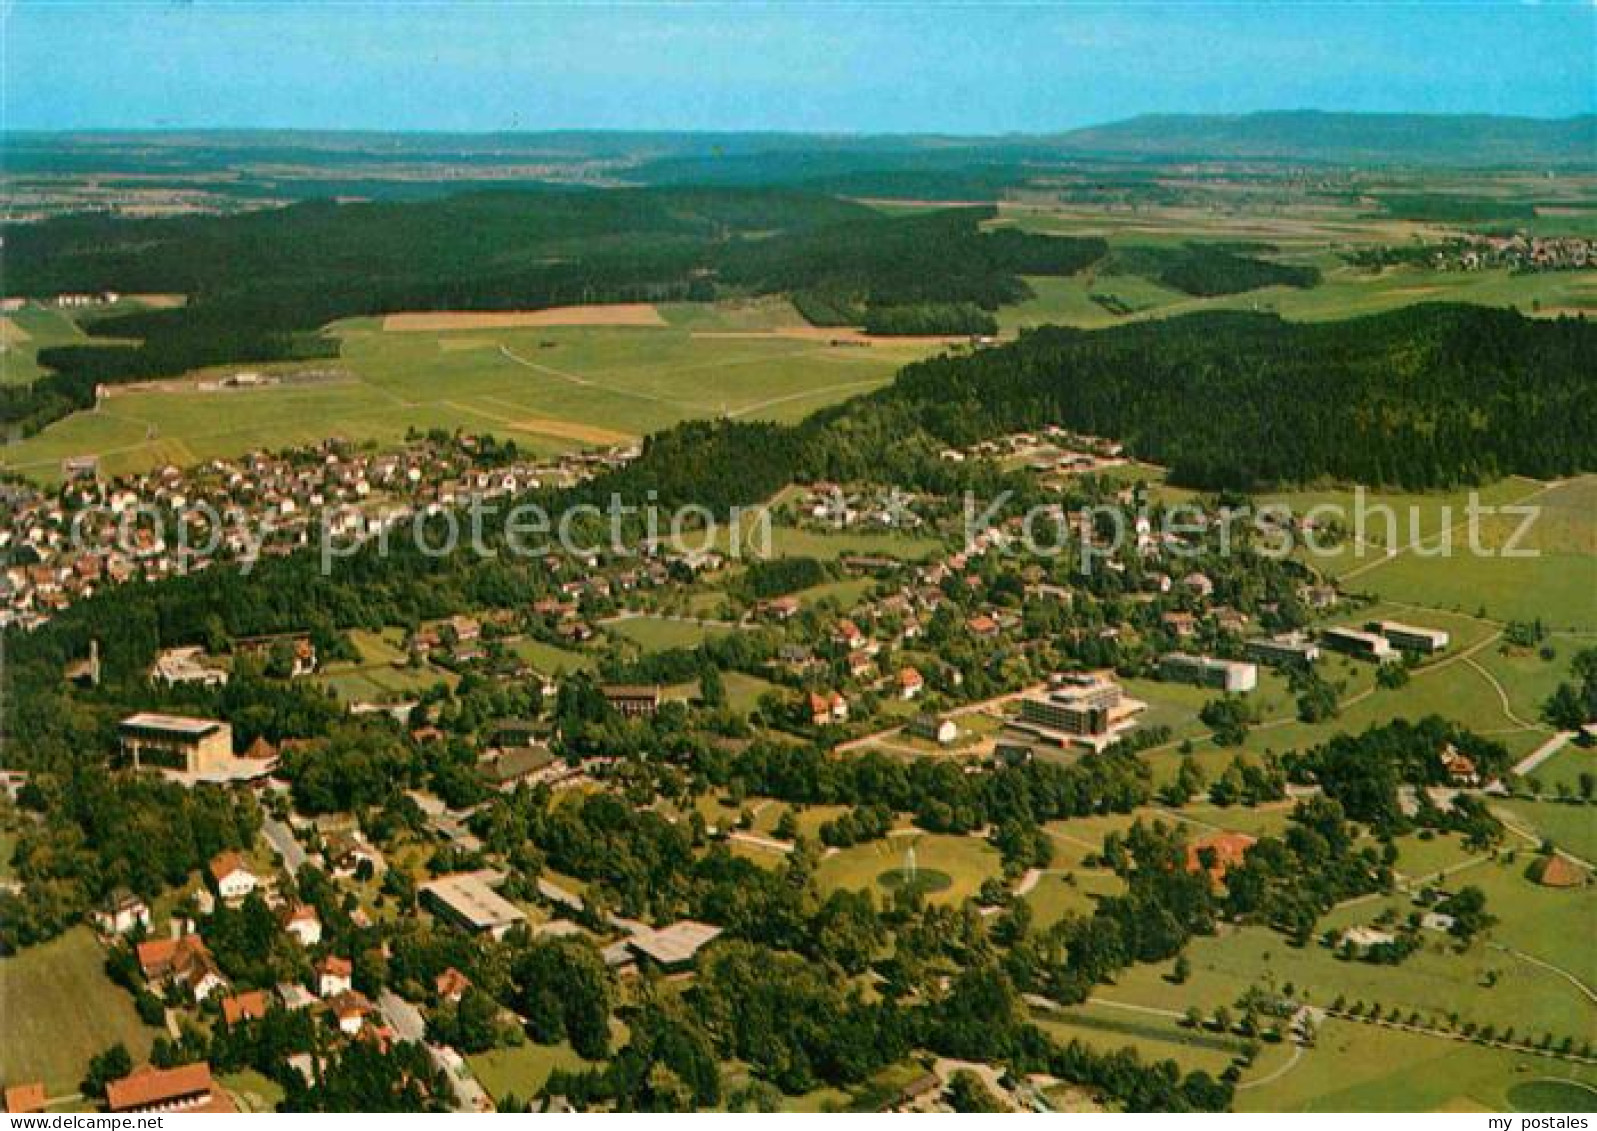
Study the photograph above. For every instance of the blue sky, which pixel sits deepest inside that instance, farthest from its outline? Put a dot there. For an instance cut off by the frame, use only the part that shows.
(962, 68)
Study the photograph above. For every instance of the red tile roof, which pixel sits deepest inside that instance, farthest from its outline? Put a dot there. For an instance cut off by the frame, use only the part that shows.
(150, 1086)
(23, 1098)
(226, 864)
(336, 966)
(249, 1006)
(1229, 850)
(451, 983)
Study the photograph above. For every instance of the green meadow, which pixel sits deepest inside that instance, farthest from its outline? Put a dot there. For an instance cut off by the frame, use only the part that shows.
(548, 388)
(58, 1009)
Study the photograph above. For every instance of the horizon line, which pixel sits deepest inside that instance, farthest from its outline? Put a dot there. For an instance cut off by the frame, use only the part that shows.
(1041, 132)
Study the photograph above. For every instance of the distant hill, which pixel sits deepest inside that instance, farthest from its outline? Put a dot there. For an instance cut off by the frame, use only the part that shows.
(1459, 140)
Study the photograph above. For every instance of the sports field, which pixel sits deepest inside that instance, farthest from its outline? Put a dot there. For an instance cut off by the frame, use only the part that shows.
(58, 1009)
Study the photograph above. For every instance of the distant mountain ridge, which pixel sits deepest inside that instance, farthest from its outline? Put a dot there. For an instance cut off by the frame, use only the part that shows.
(1461, 140)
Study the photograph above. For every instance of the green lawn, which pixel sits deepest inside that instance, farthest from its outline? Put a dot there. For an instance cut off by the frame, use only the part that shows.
(382, 683)
(550, 659)
(1570, 827)
(743, 691)
(58, 1009)
(1057, 895)
(846, 593)
(1564, 768)
(1154, 1038)
(23, 333)
(796, 542)
(659, 634)
(548, 388)
(1357, 1067)
(967, 861)
(522, 1071)
(254, 1092)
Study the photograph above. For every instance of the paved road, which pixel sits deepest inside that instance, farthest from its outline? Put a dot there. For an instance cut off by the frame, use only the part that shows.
(1543, 752)
(403, 1018)
(283, 842)
(408, 1025)
(758, 841)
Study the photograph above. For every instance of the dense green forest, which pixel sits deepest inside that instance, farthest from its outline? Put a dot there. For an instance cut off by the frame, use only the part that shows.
(1206, 270)
(1427, 396)
(261, 284)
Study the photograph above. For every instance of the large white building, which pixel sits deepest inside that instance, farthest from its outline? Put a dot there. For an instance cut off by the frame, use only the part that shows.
(1088, 709)
(1233, 676)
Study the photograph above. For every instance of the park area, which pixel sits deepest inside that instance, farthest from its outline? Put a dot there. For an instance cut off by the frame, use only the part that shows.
(945, 869)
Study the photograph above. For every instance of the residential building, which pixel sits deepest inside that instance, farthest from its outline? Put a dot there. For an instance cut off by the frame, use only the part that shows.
(942, 731)
(828, 708)
(1460, 767)
(451, 985)
(184, 963)
(350, 1010)
(238, 1008)
(232, 877)
(23, 1099)
(121, 913)
(334, 975)
(304, 924)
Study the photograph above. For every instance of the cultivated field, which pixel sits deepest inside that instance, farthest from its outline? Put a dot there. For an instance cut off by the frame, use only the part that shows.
(438, 321)
(548, 388)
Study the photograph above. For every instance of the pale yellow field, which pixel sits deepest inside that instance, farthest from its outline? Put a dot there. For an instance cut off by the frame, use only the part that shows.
(10, 332)
(842, 334)
(572, 430)
(433, 321)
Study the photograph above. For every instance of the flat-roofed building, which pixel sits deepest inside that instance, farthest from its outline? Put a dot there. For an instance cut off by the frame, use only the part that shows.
(1233, 676)
(1409, 637)
(1363, 645)
(176, 742)
(1088, 709)
(466, 899)
(675, 947)
(1290, 649)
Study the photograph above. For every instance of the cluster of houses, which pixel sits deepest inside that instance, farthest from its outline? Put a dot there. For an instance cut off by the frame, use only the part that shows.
(61, 546)
(1052, 451)
(1517, 252)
